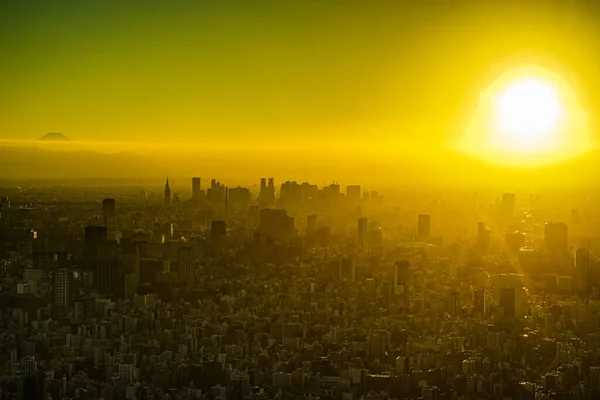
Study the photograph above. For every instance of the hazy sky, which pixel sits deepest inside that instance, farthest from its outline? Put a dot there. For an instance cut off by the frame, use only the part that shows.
(281, 70)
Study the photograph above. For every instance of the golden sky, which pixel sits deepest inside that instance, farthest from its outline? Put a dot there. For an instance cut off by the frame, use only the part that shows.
(279, 71)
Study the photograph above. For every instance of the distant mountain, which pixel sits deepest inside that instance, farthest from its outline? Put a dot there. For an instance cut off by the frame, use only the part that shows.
(54, 137)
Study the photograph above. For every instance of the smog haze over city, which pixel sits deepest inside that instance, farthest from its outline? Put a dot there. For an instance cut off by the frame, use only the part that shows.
(299, 199)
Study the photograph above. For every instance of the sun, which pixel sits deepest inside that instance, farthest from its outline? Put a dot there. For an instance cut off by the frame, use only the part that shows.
(529, 116)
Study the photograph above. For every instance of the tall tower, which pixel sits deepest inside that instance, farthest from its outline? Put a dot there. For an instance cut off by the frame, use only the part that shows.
(582, 269)
(195, 188)
(363, 230)
(167, 193)
(62, 288)
(424, 226)
(184, 262)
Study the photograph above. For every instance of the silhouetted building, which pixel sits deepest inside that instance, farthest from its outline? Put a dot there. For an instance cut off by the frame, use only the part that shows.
(401, 275)
(347, 270)
(556, 236)
(109, 210)
(277, 224)
(167, 193)
(424, 229)
(94, 236)
(582, 270)
(480, 302)
(184, 265)
(63, 282)
(363, 232)
(110, 276)
(353, 194)
(196, 188)
(218, 228)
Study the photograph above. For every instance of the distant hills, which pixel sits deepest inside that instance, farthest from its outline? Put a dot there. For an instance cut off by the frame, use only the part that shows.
(54, 137)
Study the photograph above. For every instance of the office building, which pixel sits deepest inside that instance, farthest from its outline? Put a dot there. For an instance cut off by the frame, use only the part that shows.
(63, 279)
(218, 229)
(347, 270)
(108, 211)
(582, 270)
(184, 265)
(109, 277)
(363, 231)
(480, 303)
(311, 223)
(556, 236)
(196, 188)
(424, 226)
(401, 276)
(353, 195)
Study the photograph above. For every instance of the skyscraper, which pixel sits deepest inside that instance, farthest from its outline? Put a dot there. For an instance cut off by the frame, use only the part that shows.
(556, 236)
(363, 230)
(109, 211)
(196, 188)
(184, 263)
(582, 270)
(401, 274)
(424, 229)
(62, 288)
(353, 194)
(167, 193)
(109, 277)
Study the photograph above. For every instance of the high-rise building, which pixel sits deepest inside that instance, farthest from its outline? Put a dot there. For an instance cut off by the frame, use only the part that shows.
(556, 236)
(109, 277)
(401, 274)
(582, 270)
(63, 279)
(277, 224)
(353, 194)
(94, 237)
(109, 210)
(402, 365)
(196, 188)
(347, 270)
(508, 301)
(424, 226)
(167, 193)
(480, 302)
(184, 264)
(218, 229)
(363, 231)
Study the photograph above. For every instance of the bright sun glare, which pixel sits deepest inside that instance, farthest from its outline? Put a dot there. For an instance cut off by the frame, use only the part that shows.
(527, 117)
(528, 113)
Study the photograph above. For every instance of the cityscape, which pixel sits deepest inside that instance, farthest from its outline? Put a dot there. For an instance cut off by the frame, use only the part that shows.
(299, 200)
(294, 290)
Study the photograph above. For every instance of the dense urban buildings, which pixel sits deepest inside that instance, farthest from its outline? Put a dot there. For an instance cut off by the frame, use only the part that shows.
(303, 291)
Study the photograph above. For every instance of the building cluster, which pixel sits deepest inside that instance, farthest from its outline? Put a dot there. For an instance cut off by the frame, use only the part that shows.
(300, 292)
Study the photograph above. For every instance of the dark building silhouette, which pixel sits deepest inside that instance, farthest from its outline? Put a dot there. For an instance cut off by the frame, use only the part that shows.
(196, 188)
(184, 265)
(109, 276)
(218, 228)
(353, 194)
(508, 301)
(94, 236)
(109, 210)
(582, 270)
(167, 193)
(63, 287)
(363, 232)
(556, 236)
(424, 225)
(401, 273)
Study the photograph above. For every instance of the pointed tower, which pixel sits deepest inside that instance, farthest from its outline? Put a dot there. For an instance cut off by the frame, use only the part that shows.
(167, 193)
